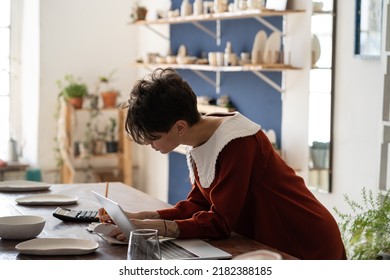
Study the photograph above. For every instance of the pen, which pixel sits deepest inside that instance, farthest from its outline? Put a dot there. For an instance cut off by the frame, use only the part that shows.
(106, 195)
(107, 185)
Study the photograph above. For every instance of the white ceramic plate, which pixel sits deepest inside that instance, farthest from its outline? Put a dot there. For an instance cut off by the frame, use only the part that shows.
(315, 49)
(272, 48)
(258, 47)
(259, 255)
(22, 186)
(46, 199)
(57, 246)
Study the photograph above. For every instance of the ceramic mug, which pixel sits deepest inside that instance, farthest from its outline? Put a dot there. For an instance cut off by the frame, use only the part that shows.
(212, 57)
(220, 58)
(245, 58)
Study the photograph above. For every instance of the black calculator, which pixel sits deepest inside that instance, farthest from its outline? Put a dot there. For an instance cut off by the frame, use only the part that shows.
(73, 215)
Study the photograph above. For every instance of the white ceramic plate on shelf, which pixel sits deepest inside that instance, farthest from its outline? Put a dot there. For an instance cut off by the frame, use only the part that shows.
(258, 47)
(22, 186)
(46, 199)
(315, 49)
(272, 48)
(57, 246)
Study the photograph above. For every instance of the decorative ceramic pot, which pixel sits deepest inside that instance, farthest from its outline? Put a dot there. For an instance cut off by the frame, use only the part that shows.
(112, 147)
(383, 256)
(98, 147)
(76, 102)
(109, 99)
(185, 8)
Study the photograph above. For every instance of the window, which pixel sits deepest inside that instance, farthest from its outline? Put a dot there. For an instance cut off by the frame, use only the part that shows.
(5, 43)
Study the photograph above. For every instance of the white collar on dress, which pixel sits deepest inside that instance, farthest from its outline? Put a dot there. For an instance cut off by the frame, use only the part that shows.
(205, 156)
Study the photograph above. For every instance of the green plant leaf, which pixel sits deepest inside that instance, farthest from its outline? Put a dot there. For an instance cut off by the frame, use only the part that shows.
(366, 232)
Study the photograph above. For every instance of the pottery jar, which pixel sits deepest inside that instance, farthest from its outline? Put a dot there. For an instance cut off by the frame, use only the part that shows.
(185, 8)
(198, 7)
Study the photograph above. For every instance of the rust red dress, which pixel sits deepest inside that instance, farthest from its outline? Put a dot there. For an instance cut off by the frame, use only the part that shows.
(246, 187)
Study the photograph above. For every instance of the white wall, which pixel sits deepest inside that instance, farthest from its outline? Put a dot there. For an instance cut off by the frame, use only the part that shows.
(88, 39)
(27, 57)
(151, 173)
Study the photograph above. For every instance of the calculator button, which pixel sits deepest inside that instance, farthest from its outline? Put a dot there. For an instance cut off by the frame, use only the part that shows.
(82, 214)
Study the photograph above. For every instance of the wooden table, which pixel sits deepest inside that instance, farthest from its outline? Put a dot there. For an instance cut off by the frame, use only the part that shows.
(129, 198)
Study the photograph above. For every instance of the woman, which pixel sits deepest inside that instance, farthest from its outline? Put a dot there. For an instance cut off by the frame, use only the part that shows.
(239, 182)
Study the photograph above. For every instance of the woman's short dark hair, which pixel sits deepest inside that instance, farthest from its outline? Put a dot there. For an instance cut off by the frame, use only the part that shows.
(157, 102)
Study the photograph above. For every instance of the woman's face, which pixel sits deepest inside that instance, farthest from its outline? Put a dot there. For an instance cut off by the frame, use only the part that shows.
(167, 141)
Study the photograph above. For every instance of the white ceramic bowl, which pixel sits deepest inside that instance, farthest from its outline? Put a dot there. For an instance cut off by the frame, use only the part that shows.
(161, 60)
(21, 227)
(171, 59)
(186, 59)
(317, 6)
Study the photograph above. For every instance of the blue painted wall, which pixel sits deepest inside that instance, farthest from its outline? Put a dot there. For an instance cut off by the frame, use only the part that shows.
(179, 181)
(249, 94)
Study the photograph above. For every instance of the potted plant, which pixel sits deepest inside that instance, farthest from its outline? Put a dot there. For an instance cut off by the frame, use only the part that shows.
(138, 12)
(112, 143)
(366, 231)
(107, 92)
(73, 90)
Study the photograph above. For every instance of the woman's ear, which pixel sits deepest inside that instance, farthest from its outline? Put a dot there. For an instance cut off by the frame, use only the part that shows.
(181, 127)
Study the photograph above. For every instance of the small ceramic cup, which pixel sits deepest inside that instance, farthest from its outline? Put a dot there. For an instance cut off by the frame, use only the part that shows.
(212, 57)
(220, 58)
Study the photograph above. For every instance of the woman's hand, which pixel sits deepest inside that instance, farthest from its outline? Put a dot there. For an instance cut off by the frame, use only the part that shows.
(143, 215)
(143, 220)
(104, 217)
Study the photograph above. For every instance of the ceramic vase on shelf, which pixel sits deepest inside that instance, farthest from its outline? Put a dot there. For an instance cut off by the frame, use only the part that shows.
(112, 146)
(198, 7)
(76, 102)
(186, 8)
(220, 6)
(230, 58)
(254, 4)
(12, 150)
(109, 99)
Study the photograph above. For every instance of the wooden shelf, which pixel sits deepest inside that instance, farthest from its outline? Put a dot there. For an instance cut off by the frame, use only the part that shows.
(255, 69)
(205, 67)
(258, 14)
(323, 13)
(220, 16)
(100, 156)
(119, 162)
(207, 109)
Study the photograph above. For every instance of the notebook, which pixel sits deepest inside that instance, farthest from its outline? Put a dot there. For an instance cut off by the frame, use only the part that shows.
(170, 248)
